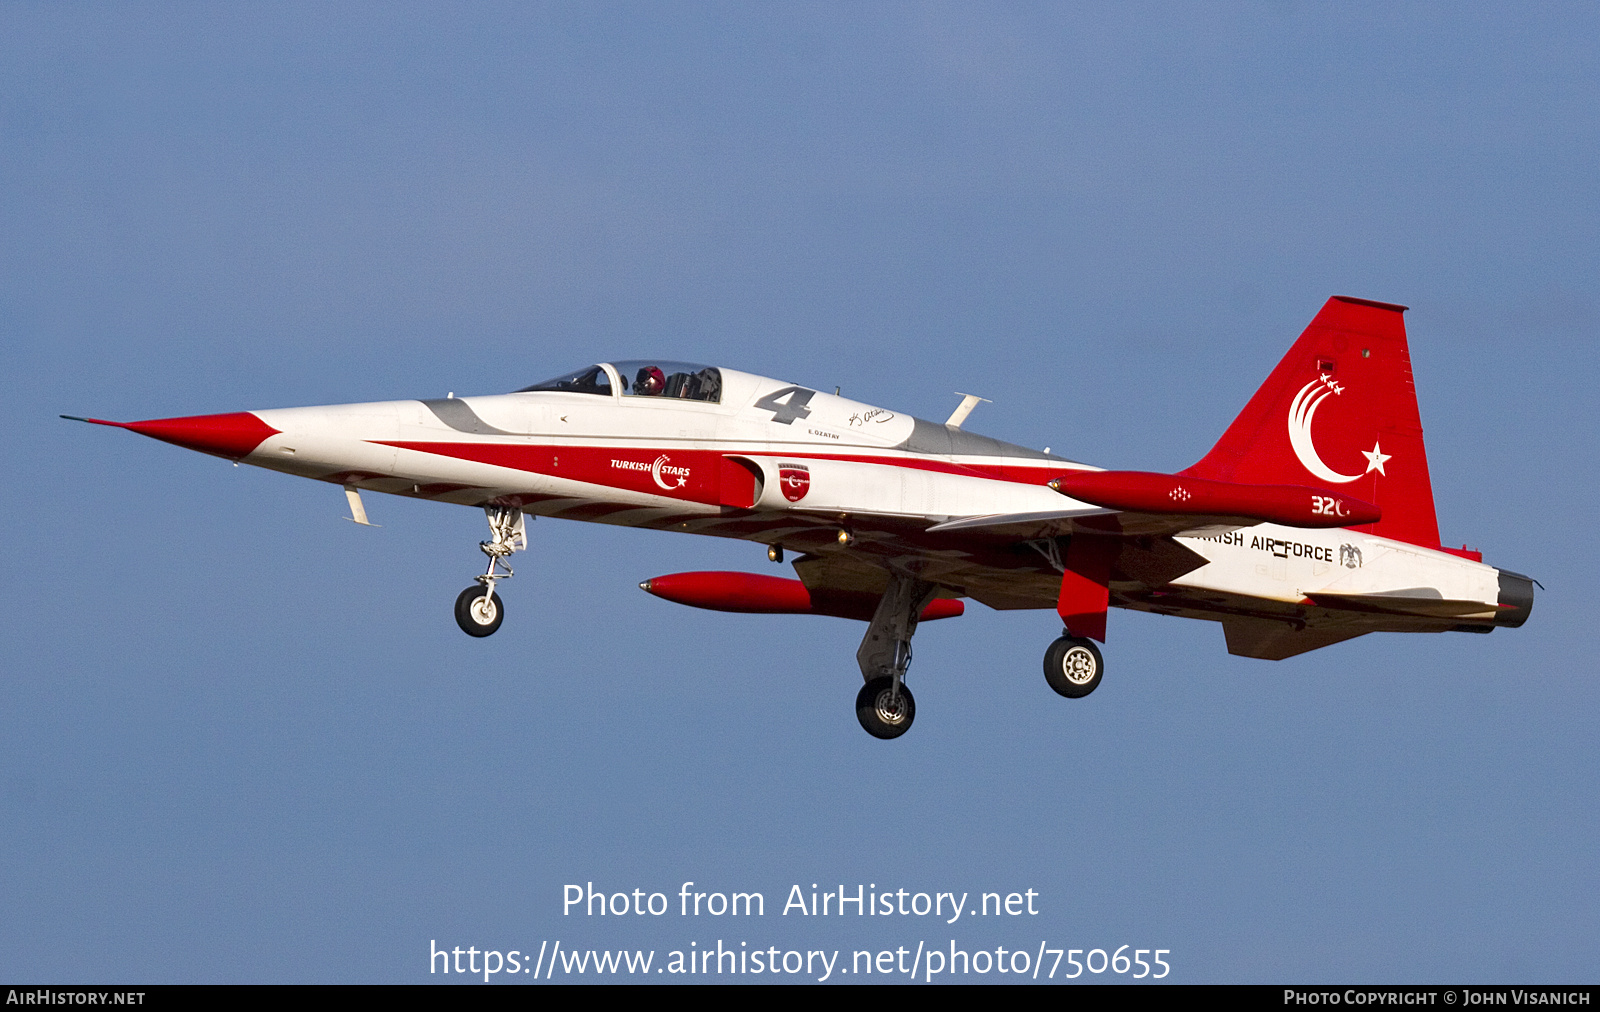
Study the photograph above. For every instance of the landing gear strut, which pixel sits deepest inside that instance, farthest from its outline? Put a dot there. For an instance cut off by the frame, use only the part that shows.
(479, 611)
(884, 706)
(1073, 666)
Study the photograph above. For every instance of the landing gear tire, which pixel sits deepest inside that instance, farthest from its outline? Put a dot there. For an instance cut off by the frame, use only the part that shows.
(878, 711)
(1073, 666)
(478, 612)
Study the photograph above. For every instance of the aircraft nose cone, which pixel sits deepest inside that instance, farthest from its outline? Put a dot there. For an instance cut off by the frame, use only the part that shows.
(232, 435)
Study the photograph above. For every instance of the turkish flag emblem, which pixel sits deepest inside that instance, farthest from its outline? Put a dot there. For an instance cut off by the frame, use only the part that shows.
(795, 480)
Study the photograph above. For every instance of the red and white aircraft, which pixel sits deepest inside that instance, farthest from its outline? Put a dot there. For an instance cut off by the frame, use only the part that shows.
(1291, 542)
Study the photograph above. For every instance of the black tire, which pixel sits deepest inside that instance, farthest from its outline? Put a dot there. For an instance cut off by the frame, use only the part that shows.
(473, 617)
(1073, 666)
(877, 717)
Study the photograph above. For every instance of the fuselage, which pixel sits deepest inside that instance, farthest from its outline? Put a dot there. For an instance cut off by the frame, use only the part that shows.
(657, 453)
(1291, 533)
(783, 464)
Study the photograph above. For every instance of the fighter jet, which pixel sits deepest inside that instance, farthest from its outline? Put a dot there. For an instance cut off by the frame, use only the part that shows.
(1311, 521)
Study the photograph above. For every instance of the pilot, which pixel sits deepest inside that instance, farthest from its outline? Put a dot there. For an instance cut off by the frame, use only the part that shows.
(649, 382)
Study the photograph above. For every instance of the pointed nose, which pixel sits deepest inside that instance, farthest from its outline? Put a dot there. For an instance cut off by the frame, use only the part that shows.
(232, 435)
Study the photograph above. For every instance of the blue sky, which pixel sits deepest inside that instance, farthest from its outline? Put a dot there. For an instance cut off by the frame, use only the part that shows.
(242, 739)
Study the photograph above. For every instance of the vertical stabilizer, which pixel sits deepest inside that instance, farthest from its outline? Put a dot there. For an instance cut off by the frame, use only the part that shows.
(1339, 411)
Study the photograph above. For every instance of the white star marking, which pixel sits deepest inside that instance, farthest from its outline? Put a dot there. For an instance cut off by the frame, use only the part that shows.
(1375, 458)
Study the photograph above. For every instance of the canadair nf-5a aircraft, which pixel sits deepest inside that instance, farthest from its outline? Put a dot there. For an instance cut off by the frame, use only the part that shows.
(1310, 522)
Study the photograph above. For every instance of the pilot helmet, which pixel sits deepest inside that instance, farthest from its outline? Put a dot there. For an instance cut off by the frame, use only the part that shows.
(649, 381)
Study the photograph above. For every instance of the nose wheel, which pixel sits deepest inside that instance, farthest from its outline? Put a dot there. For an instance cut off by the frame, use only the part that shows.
(479, 610)
(1073, 666)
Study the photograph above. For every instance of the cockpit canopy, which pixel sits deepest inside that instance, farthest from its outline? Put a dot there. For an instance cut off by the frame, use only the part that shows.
(592, 380)
(642, 378)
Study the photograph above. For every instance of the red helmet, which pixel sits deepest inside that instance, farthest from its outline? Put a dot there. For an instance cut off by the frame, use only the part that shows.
(649, 381)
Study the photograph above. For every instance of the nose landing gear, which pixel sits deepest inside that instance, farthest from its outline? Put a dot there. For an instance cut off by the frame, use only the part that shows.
(478, 611)
(884, 706)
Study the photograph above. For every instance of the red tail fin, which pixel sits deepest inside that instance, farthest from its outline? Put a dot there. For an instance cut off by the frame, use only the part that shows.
(1351, 373)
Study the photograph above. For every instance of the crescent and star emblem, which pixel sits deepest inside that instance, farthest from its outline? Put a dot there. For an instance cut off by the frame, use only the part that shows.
(1301, 411)
(655, 472)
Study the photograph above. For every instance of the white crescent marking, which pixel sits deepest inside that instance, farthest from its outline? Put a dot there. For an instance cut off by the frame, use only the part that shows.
(1301, 412)
(655, 472)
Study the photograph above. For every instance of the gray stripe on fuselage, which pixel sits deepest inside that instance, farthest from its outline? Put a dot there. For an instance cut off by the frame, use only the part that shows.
(929, 437)
(926, 437)
(458, 416)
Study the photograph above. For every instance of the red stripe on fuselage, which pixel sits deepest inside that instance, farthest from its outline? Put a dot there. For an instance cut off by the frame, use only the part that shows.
(684, 473)
(1036, 474)
(681, 474)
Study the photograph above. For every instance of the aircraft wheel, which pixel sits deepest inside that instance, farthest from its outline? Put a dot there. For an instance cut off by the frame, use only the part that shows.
(878, 713)
(477, 612)
(1073, 666)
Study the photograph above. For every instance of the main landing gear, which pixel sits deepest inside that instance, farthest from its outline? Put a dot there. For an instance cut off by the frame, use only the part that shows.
(884, 711)
(1073, 666)
(479, 611)
(884, 706)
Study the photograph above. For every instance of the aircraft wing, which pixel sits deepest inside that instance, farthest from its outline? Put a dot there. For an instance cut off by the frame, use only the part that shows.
(840, 575)
(1267, 640)
(1031, 577)
(844, 585)
(1005, 561)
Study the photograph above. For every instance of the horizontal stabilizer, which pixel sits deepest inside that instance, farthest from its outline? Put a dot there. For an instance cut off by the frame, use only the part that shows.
(1404, 604)
(1270, 640)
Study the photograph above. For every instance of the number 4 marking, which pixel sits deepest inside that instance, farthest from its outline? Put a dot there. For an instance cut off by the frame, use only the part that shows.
(786, 412)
